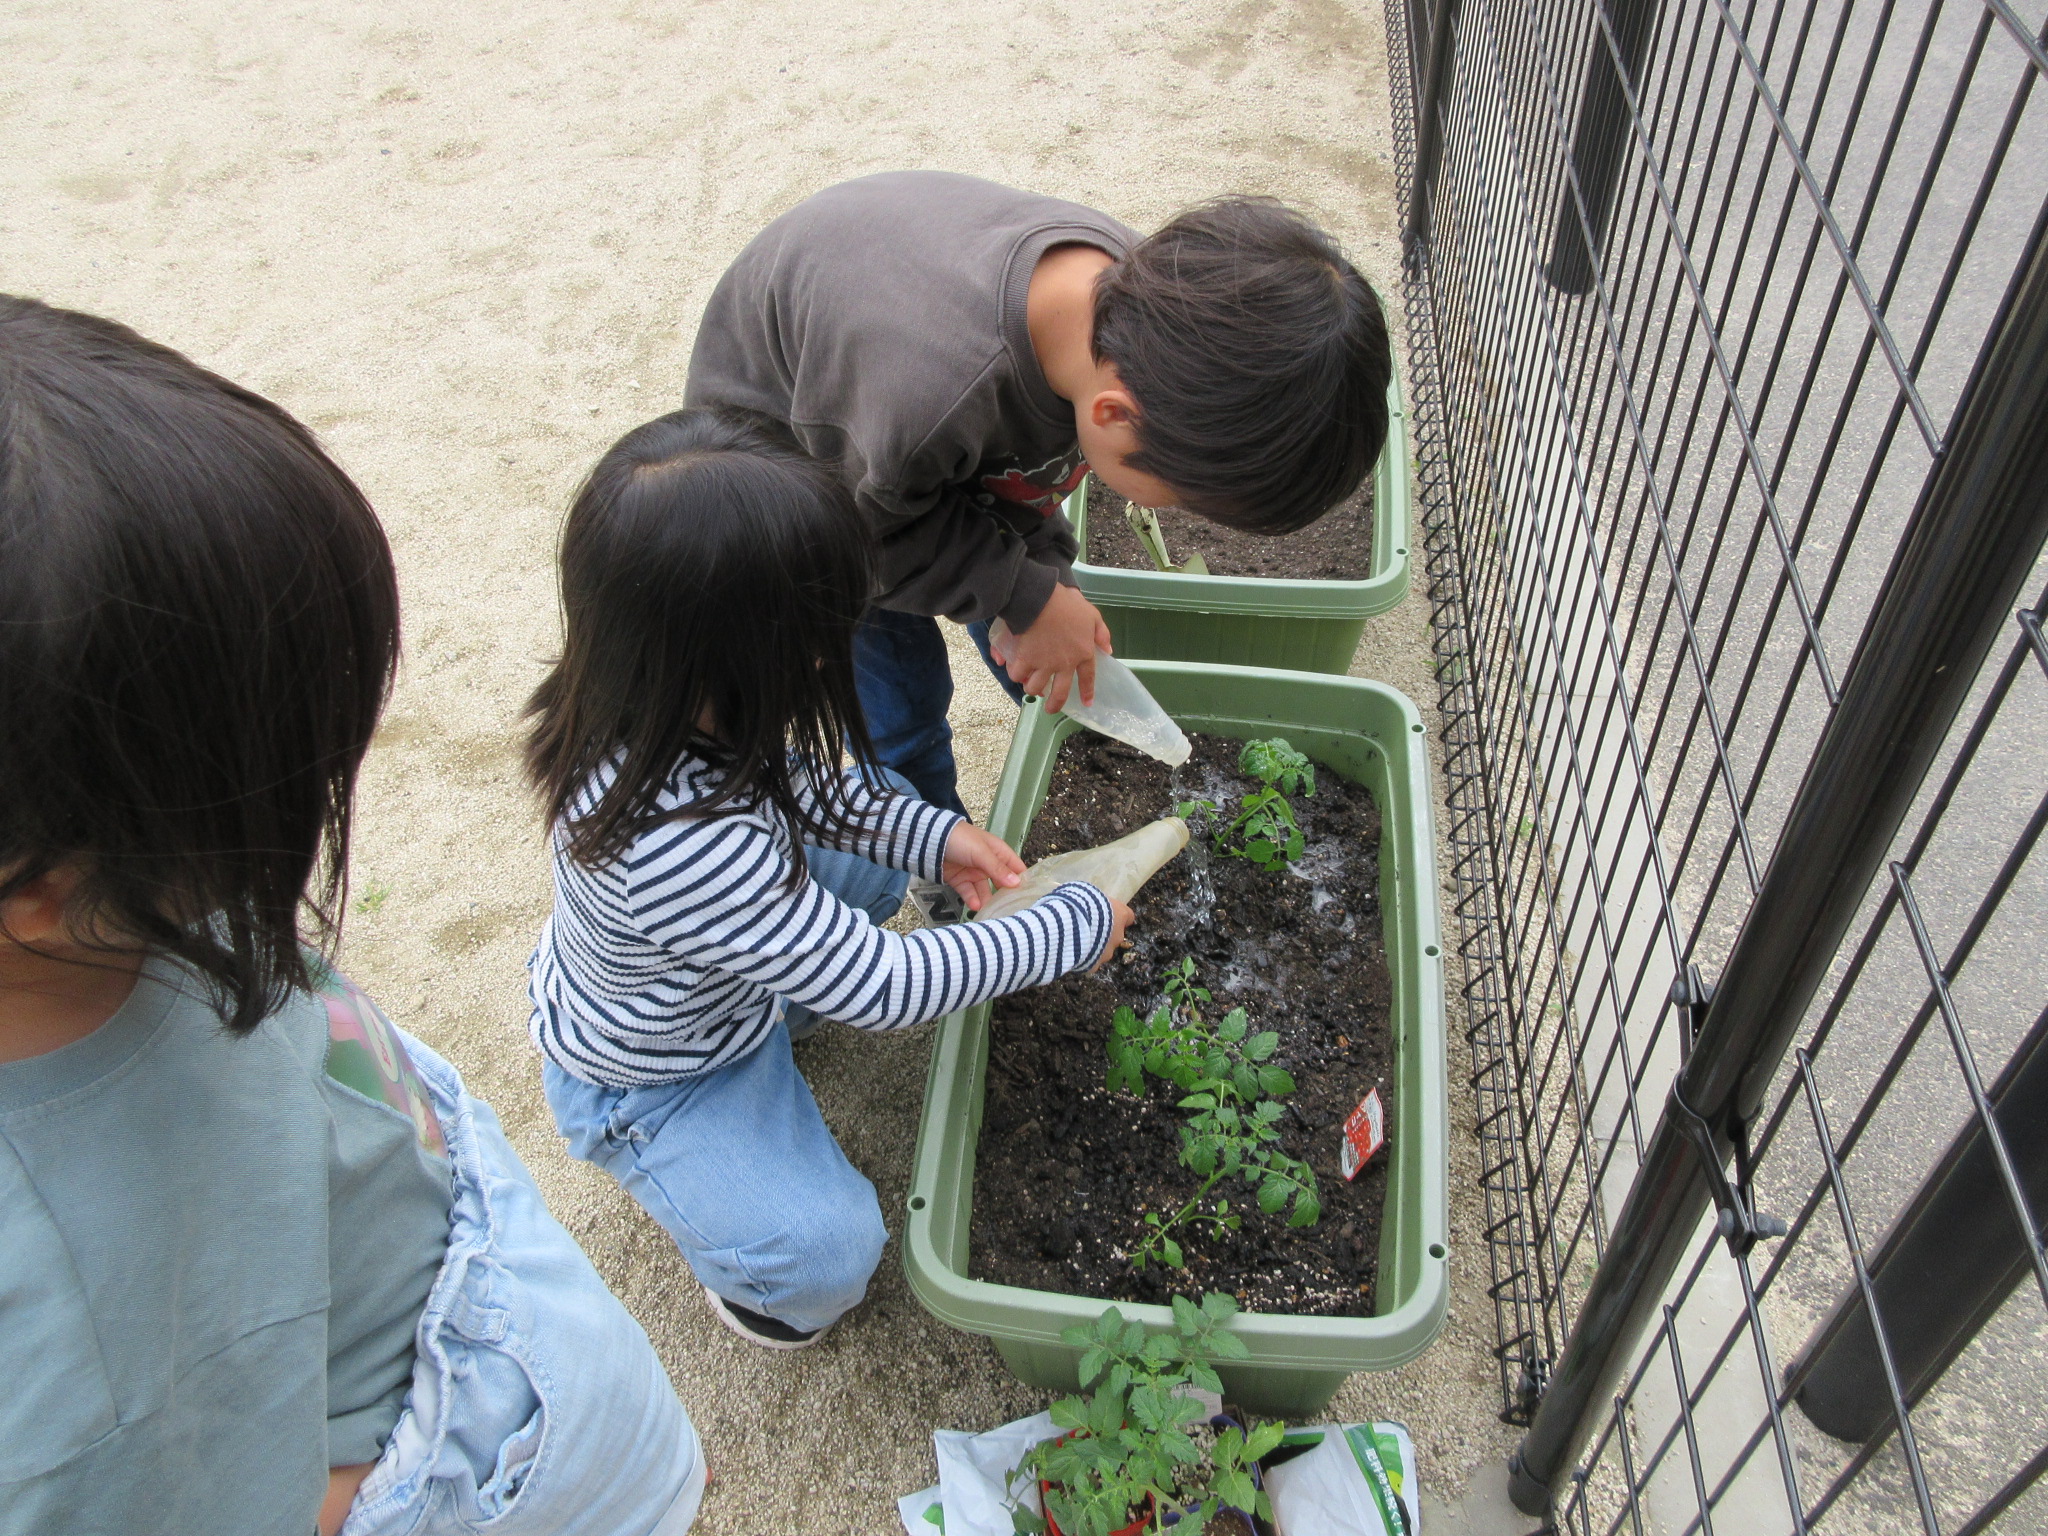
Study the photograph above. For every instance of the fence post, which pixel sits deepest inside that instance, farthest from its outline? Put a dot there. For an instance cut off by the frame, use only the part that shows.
(1973, 537)
(1943, 1270)
(1429, 129)
(1600, 142)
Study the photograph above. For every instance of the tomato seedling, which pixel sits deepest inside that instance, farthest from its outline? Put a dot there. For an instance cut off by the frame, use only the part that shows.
(1264, 829)
(1232, 1091)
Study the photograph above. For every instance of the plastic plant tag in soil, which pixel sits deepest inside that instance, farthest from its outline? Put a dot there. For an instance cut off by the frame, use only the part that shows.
(1365, 1132)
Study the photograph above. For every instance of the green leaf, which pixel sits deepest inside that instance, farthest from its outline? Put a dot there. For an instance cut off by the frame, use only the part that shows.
(1262, 1045)
(1266, 1111)
(1070, 1413)
(1199, 1101)
(1234, 1026)
(1235, 1488)
(1308, 1210)
(1200, 1157)
(1187, 1317)
(1219, 1306)
(1246, 1081)
(1170, 1251)
(1259, 850)
(1263, 1439)
(1092, 1364)
(1275, 1081)
(1272, 1195)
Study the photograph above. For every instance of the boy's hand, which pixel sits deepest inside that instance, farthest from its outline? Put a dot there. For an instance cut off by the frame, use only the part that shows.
(1121, 917)
(1059, 649)
(977, 861)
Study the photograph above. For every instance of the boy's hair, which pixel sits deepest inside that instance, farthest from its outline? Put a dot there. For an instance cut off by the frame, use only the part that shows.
(198, 626)
(1258, 359)
(711, 570)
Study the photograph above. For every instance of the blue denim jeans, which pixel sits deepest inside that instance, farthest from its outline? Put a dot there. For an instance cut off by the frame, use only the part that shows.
(905, 683)
(537, 1404)
(740, 1169)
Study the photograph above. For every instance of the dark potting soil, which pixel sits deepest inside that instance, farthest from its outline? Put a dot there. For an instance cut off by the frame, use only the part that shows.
(1335, 547)
(1067, 1170)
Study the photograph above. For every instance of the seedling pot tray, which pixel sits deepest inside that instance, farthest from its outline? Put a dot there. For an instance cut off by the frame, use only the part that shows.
(1311, 626)
(1366, 732)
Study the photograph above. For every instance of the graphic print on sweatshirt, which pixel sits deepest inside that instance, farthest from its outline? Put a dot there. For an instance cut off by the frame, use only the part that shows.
(1007, 484)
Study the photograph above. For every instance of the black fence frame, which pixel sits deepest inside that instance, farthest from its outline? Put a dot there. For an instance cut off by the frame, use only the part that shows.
(1728, 371)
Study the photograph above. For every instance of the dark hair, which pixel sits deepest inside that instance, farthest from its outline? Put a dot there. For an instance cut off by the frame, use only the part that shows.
(1258, 359)
(710, 570)
(198, 625)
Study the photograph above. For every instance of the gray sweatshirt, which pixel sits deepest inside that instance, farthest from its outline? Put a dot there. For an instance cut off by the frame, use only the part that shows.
(884, 320)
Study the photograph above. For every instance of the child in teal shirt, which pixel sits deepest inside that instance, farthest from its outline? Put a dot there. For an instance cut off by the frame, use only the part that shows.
(265, 1265)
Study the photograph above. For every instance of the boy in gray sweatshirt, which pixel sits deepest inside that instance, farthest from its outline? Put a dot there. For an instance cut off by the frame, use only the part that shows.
(965, 353)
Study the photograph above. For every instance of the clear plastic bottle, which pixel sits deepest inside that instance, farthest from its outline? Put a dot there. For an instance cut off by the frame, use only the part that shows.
(1122, 708)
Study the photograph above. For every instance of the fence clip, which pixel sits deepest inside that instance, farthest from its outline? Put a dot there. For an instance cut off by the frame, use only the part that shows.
(1690, 995)
(1738, 1221)
(1530, 1384)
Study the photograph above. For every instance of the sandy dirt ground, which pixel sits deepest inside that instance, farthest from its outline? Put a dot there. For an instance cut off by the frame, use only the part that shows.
(468, 244)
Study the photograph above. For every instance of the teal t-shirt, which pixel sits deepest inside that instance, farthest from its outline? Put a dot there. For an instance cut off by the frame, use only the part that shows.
(213, 1254)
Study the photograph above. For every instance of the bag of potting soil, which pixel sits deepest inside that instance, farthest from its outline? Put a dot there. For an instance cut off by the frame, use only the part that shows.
(1345, 1480)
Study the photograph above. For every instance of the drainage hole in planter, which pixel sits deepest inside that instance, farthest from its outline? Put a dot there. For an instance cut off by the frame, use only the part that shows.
(1430, 950)
(1068, 1170)
(1436, 1250)
(917, 1202)
(1416, 729)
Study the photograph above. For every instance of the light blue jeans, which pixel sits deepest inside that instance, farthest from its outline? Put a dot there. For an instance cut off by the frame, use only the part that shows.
(738, 1166)
(537, 1404)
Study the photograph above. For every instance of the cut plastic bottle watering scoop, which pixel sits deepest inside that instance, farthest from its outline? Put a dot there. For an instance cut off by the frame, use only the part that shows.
(1122, 709)
(1116, 869)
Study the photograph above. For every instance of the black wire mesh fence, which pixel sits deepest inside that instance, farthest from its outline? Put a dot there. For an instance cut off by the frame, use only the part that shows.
(1728, 332)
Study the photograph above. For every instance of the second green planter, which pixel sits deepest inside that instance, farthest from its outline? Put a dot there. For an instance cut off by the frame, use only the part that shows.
(1253, 621)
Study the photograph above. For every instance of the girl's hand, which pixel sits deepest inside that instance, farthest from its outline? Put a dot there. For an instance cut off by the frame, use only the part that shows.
(1121, 917)
(977, 862)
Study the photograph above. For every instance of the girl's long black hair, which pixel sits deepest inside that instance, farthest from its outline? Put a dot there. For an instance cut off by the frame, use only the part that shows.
(712, 577)
(198, 626)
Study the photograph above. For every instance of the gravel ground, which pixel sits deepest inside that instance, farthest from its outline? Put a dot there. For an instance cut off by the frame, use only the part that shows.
(468, 244)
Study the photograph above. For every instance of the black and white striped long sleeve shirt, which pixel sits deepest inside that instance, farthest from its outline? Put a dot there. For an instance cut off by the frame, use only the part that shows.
(668, 961)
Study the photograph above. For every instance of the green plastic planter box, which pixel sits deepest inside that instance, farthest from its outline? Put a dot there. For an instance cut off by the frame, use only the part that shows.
(1369, 733)
(1253, 621)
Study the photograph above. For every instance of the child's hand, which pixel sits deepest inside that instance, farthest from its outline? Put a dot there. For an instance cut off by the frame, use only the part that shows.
(1121, 917)
(1059, 649)
(976, 861)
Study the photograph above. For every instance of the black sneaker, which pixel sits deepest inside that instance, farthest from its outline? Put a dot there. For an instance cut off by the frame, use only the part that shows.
(759, 1328)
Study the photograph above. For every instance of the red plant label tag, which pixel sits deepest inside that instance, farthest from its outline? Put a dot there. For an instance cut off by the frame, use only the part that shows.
(1365, 1132)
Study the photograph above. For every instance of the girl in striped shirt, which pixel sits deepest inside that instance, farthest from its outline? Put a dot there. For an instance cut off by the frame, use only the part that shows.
(720, 878)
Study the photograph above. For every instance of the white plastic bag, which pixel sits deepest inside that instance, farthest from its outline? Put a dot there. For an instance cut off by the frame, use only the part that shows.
(1354, 1480)
(923, 1513)
(973, 1478)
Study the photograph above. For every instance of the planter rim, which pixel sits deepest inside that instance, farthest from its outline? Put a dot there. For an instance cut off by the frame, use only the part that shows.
(1278, 1339)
